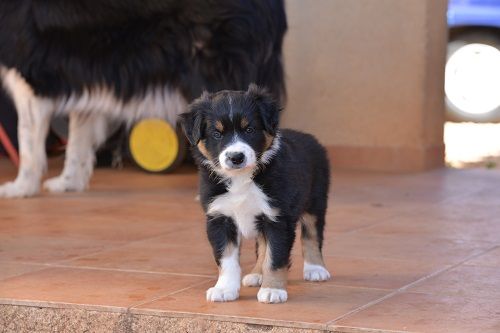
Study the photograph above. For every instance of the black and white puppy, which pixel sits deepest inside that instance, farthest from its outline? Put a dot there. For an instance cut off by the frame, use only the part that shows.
(257, 182)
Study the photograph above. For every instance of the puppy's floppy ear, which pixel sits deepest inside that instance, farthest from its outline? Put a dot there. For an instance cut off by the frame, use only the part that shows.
(192, 122)
(268, 107)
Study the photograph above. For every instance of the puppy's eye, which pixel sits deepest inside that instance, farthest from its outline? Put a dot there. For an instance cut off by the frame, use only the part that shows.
(249, 130)
(217, 135)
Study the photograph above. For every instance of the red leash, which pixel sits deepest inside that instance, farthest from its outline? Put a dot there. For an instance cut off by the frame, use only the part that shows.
(9, 147)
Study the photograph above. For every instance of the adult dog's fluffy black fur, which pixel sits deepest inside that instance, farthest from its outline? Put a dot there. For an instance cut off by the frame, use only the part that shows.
(257, 181)
(62, 47)
(128, 59)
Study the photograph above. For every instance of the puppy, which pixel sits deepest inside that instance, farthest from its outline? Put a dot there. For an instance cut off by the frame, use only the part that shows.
(257, 182)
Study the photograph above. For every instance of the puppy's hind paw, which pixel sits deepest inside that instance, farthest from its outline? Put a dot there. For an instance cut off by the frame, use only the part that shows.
(315, 273)
(252, 280)
(272, 295)
(222, 295)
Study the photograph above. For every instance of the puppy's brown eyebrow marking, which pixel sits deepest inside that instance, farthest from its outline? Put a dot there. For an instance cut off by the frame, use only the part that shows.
(219, 126)
(203, 150)
(244, 122)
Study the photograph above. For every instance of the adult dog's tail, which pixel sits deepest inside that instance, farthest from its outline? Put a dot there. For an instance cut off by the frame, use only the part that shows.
(271, 73)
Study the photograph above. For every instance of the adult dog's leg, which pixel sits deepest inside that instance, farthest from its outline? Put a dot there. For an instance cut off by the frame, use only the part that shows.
(86, 132)
(34, 115)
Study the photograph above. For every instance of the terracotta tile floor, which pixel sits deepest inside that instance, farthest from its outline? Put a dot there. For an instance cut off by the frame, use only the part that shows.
(415, 252)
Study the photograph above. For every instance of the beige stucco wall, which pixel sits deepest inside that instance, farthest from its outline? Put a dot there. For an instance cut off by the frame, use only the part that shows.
(366, 76)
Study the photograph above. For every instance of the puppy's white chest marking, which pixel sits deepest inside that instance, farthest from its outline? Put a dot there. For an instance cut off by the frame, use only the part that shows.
(243, 202)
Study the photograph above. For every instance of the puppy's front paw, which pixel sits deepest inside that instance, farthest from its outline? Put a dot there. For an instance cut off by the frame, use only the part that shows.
(315, 273)
(252, 280)
(222, 295)
(272, 295)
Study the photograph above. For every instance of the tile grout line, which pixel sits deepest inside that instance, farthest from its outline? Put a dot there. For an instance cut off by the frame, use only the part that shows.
(42, 266)
(169, 294)
(367, 228)
(114, 247)
(127, 270)
(332, 284)
(39, 268)
(404, 288)
(61, 305)
(386, 258)
(406, 214)
(356, 329)
(388, 218)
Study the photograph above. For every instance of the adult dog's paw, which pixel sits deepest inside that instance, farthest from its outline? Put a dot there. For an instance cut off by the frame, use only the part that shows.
(222, 295)
(62, 184)
(315, 273)
(252, 280)
(18, 189)
(272, 295)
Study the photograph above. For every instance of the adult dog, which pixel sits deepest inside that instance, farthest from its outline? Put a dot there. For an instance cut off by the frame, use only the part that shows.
(125, 59)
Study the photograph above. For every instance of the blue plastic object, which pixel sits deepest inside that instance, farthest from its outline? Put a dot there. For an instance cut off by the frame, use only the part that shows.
(463, 13)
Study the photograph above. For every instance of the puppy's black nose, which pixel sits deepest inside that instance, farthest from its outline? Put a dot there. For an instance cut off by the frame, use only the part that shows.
(236, 158)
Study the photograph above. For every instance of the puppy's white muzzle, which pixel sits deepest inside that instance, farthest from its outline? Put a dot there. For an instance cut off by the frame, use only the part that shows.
(238, 155)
